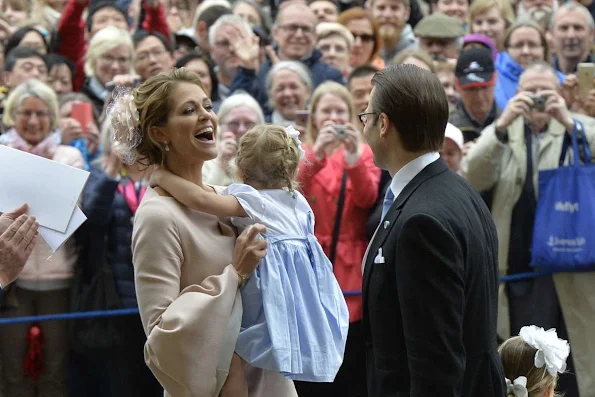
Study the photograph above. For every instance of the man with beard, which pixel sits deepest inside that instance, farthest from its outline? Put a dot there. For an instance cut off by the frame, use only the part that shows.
(540, 11)
(440, 36)
(573, 31)
(396, 34)
(221, 37)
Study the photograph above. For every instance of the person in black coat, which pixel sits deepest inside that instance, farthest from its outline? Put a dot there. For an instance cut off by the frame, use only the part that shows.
(431, 271)
(110, 199)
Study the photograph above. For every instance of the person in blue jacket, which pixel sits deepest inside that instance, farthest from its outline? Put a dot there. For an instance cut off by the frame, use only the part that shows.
(295, 36)
(525, 44)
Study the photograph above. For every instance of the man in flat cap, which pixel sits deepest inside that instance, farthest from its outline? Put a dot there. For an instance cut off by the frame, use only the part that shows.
(440, 36)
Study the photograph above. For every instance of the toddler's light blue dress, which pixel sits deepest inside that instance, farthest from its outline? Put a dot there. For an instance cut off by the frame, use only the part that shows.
(295, 317)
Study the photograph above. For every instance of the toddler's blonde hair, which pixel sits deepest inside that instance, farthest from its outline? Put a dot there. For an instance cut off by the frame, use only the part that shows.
(518, 359)
(268, 156)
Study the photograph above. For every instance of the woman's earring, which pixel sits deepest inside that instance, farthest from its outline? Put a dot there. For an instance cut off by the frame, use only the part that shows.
(166, 146)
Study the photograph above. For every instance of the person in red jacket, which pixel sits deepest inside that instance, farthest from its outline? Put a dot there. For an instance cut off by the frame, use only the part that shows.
(338, 164)
(71, 28)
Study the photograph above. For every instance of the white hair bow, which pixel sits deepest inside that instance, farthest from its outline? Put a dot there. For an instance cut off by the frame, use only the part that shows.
(518, 388)
(551, 350)
(295, 134)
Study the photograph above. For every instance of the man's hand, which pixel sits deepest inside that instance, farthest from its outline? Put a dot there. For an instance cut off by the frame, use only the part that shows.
(555, 106)
(519, 105)
(19, 232)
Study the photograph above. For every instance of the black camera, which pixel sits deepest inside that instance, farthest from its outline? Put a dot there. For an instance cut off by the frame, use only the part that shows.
(538, 102)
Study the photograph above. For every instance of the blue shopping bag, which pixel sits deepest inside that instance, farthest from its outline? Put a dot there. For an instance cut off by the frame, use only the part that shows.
(564, 232)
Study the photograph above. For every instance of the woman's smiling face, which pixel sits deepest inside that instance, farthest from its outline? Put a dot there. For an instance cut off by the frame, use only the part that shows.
(191, 128)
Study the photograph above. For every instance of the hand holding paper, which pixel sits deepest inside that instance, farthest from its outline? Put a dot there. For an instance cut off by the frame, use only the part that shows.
(51, 190)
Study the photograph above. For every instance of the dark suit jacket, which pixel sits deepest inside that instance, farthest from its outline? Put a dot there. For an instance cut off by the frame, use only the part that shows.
(430, 309)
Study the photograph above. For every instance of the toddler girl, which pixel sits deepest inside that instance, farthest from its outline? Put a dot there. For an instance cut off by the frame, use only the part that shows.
(532, 362)
(295, 318)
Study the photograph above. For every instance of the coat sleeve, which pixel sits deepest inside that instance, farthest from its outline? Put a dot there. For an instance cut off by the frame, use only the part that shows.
(247, 80)
(431, 290)
(365, 177)
(309, 167)
(156, 21)
(71, 32)
(183, 327)
(481, 166)
(98, 197)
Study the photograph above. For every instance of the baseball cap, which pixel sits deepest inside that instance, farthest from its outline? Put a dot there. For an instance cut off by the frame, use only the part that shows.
(439, 26)
(183, 39)
(482, 39)
(454, 134)
(475, 68)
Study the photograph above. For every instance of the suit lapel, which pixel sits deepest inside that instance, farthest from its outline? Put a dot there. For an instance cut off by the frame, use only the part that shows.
(386, 225)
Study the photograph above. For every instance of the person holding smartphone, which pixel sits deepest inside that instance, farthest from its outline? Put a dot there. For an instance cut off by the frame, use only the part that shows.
(340, 181)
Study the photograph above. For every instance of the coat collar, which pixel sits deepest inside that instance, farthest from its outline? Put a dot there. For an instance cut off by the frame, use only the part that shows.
(386, 225)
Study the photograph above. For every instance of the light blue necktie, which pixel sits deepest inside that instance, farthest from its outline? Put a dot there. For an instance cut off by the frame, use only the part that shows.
(389, 197)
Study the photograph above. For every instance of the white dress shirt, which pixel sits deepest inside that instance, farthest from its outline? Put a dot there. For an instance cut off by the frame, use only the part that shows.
(402, 179)
(410, 171)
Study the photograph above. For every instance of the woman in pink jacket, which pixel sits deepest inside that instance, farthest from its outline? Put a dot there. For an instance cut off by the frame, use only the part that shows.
(338, 171)
(43, 287)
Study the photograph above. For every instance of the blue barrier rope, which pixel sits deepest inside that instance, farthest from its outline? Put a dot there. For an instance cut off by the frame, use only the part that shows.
(69, 316)
(128, 312)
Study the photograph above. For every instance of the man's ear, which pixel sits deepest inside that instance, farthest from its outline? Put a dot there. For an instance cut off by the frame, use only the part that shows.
(5, 76)
(201, 28)
(384, 125)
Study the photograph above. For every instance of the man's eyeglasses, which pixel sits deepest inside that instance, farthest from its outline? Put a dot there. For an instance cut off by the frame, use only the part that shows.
(292, 28)
(146, 55)
(363, 117)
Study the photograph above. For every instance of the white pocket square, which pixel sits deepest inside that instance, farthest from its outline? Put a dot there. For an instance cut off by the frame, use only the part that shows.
(379, 258)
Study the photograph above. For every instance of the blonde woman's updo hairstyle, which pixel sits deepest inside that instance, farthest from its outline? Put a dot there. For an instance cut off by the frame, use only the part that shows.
(134, 113)
(31, 88)
(106, 40)
(328, 87)
(518, 359)
(267, 155)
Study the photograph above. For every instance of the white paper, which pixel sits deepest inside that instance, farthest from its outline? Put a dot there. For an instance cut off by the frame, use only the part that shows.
(51, 189)
(56, 239)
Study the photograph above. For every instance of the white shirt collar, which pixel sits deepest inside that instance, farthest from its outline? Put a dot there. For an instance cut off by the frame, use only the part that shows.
(410, 170)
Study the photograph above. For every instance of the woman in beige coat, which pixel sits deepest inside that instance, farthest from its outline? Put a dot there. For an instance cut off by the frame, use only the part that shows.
(187, 271)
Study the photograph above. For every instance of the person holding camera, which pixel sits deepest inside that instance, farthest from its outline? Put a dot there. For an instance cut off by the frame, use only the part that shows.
(340, 181)
(507, 157)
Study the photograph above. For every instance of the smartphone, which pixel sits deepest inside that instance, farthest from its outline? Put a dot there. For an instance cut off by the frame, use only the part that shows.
(83, 113)
(301, 117)
(585, 75)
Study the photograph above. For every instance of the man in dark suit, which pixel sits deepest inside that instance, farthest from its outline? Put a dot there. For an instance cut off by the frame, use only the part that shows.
(431, 270)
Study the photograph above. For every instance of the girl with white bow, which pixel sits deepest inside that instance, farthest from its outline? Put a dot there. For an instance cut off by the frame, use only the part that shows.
(532, 362)
(295, 318)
